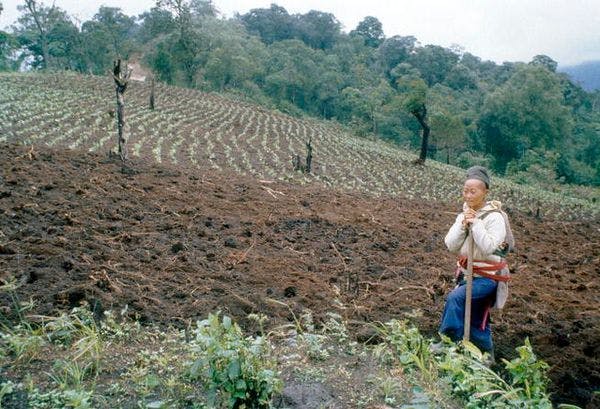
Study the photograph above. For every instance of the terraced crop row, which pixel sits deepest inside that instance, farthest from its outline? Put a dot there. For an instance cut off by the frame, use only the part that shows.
(202, 130)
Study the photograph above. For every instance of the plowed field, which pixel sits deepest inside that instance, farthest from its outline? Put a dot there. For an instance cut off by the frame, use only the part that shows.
(175, 243)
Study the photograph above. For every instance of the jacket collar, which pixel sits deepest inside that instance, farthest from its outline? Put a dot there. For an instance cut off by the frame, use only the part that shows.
(492, 205)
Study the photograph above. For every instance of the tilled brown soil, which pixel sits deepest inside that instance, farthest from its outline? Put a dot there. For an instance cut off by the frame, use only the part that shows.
(173, 245)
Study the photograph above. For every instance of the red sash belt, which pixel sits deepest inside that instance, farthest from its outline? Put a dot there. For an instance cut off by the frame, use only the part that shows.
(487, 270)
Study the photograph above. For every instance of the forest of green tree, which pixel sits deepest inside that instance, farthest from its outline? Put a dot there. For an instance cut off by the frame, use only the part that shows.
(523, 119)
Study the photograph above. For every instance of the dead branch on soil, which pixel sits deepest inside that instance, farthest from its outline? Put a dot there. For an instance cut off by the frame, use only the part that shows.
(125, 236)
(96, 182)
(137, 190)
(301, 253)
(272, 192)
(351, 279)
(333, 246)
(411, 287)
(268, 221)
(203, 287)
(204, 181)
(240, 299)
(31, 154)
(153, 299)
(102, 280)
(139, 277)
(240, 258)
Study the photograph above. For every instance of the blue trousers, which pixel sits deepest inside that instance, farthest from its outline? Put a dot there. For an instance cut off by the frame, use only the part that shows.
(483, 296)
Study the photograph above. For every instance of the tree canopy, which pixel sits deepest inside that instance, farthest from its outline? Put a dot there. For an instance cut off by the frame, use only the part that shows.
(513, 116)
(370, 30)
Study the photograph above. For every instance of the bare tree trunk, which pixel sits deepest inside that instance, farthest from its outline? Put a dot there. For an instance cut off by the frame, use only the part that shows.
(373, 121)
(424, 142)
(121, 124)
(421, 115)
(121, 78)
(45, 51)
(297, 163)
(308, 155)
(152, 93)
(298, 166)
(42, 28)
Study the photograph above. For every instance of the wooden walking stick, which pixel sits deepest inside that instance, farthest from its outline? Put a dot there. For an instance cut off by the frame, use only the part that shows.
(470, 249)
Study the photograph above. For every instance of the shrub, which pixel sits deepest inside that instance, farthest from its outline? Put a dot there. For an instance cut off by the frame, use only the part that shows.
(529, 375)
(238, 368)
(471, 380)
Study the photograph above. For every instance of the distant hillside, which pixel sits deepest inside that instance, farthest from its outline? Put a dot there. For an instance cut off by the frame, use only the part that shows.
(586, 74)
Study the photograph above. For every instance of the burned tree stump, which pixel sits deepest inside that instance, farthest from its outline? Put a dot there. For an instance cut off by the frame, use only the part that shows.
(121, 78)
(420, 113)
(308, 155)
(152, 87)
(297, 162)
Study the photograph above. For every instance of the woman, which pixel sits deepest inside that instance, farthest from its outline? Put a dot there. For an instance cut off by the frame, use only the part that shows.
(488, 225)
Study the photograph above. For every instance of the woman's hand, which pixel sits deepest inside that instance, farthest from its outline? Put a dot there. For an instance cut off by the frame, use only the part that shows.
(469, 217)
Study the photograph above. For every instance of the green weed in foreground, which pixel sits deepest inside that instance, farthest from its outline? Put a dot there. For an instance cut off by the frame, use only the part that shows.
(19, 340)
(21, 344)
(54, 399)
(220, 367)
(235, 368)
(462, 366)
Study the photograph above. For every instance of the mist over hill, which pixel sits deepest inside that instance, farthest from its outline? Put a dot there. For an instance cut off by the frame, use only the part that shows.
(586, 74)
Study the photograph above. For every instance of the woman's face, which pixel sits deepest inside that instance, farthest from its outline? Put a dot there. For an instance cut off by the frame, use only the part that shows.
(474, 193)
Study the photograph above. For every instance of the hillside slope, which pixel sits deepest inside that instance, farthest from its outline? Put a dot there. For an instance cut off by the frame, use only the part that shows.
(586, 74)
(174, 244)
(199, 130)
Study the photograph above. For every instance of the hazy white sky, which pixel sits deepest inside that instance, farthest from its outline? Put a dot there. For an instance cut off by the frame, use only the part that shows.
(497, 30)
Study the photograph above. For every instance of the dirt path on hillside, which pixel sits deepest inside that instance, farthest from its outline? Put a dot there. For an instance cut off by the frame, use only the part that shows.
(174, 245)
